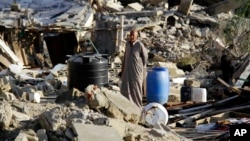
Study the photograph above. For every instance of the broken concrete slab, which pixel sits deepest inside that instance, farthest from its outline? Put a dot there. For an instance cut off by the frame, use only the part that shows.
(27, 135)
(115, 7)
(173, 70)
(18, 116)
(135, 6)
(114, 102)
(5, 114)
(91, 132)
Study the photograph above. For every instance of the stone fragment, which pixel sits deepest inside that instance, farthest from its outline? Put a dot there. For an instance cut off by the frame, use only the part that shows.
(136, 6)
(41, 134)
(69, 133)
(29, 134)
(95, 133)
(20, 116)
(113, 6)
(5, 114)
(115, 103)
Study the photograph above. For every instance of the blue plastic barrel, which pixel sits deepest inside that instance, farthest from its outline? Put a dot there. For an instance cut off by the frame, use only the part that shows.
(157, 85)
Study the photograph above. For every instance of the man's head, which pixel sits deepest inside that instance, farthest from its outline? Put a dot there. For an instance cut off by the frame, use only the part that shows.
(133, 35)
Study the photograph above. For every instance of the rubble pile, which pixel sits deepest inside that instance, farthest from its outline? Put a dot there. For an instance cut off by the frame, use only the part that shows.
(166, 32)
(62, 114)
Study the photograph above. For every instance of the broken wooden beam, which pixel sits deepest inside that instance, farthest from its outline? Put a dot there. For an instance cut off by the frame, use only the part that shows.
(243, 77)
(147, 13)
(9, 52)
(208, 105)
(184, 6)
(230, 109)
(231, 88)
(202, 113)
(5, 61)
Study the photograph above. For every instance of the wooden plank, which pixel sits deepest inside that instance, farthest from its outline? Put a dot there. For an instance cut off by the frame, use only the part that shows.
(194, 134)
(235, 89)
(243, 77)
(17, 50)
(145, 13)
(24, 56)
(245, 61)
(40, 59)
(184, 6)
(4, 61)
(9, 52)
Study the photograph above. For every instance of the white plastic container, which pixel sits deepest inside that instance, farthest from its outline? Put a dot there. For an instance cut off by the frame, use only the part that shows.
(34, 97)
(154, 113)
(199, 94)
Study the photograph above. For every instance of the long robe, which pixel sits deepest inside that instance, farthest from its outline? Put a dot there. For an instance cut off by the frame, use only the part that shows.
(134, 65)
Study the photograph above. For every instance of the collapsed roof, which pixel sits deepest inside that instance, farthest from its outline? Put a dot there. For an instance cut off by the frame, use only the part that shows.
(45, 14)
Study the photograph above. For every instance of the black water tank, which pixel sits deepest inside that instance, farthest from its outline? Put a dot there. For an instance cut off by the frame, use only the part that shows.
(85, 69)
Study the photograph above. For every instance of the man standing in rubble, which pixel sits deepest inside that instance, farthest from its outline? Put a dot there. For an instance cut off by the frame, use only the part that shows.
(133, 69)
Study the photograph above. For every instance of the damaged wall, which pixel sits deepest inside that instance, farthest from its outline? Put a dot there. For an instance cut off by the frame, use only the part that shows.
(60, 45)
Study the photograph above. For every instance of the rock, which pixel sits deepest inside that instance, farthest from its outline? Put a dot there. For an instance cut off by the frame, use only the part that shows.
(5, 114)
(52, 119)
(115, 103)
(136, 6)
(95, 98)
(95, 133)
(29, 134)
(20, 116)
(69, 133)
(41, 134)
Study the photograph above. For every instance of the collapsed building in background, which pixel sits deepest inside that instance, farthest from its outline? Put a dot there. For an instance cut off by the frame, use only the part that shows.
(44, 33)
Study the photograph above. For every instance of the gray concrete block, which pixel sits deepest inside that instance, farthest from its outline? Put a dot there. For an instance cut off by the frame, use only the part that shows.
(89, 132)
(136, 6)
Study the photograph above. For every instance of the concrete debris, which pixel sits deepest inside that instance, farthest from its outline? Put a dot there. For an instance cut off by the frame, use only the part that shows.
(113, 7)
(89, 132)
(18, 116)
(28, 135)
(135, 6)
(115, 103)
(7, 49)
(41, 134)
(5, 114)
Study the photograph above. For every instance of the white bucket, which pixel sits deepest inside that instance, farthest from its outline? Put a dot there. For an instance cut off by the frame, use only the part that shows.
(199, 94)
(154, 113)
(34, 97)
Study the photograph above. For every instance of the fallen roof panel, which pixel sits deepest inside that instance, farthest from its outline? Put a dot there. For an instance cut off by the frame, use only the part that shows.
(44, 14)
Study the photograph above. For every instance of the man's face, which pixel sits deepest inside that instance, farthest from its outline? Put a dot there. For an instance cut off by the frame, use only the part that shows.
(133, 36)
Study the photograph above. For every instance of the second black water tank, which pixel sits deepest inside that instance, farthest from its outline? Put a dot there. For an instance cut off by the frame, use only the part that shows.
(85, 69)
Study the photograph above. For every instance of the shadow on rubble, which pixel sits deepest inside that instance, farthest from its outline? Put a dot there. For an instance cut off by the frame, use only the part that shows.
(10, 133)
(71, 95)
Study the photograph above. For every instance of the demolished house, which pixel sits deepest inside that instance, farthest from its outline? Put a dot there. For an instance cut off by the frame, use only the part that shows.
(35, 26)
(44, 91)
